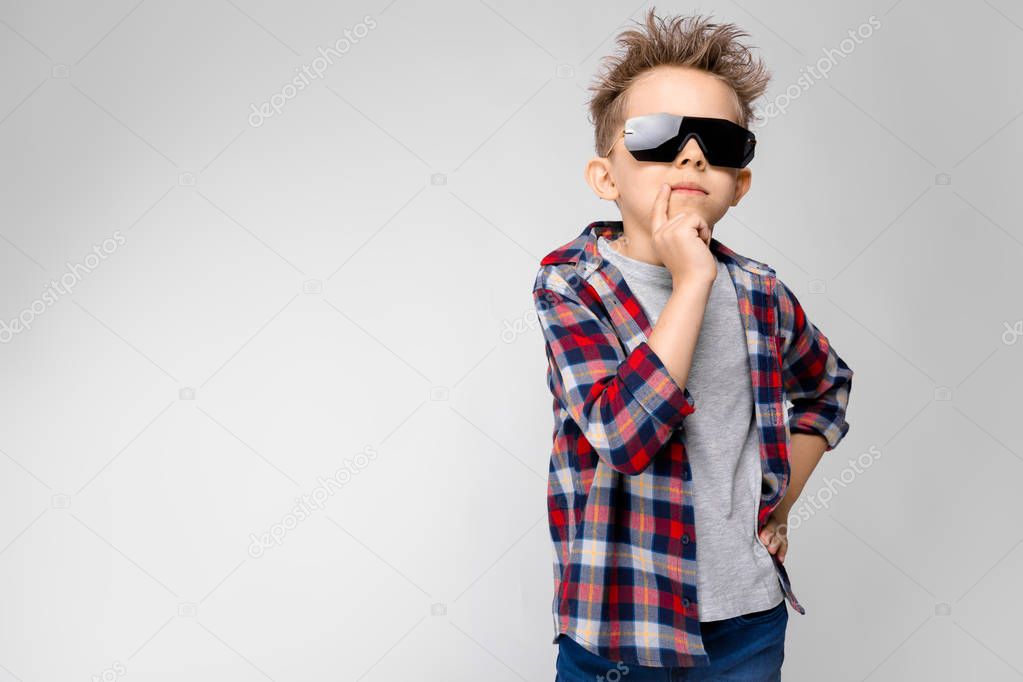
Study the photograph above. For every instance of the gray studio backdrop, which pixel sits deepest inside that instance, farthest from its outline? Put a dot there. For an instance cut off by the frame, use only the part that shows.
(273, 395)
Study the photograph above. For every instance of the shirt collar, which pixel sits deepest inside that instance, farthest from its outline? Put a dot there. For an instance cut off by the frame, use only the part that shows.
(583, 252)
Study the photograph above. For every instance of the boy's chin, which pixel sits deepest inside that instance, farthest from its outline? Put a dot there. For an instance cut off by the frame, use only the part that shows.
(688, 203)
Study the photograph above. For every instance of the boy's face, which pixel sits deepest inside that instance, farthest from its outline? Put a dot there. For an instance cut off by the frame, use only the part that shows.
(634, 184)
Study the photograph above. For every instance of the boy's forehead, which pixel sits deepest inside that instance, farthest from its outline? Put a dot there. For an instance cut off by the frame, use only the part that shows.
(682, 91)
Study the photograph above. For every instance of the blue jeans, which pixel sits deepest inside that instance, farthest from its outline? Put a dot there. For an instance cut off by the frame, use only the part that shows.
(746, 648)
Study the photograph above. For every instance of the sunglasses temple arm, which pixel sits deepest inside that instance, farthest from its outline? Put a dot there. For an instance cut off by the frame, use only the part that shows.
(620, 136)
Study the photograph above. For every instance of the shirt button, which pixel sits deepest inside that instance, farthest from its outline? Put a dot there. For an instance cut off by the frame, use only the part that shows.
(685, 538)
(685, 601)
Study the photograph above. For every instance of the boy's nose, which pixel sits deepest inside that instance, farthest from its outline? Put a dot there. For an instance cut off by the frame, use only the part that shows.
(690, 153)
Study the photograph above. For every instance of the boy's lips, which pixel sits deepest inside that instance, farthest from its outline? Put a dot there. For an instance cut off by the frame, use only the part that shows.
(688, 188)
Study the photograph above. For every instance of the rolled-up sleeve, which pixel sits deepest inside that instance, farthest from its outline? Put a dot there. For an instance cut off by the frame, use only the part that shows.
(625, 405)
(817, 381)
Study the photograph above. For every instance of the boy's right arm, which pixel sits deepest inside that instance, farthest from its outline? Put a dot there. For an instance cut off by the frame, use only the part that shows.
(627, 410)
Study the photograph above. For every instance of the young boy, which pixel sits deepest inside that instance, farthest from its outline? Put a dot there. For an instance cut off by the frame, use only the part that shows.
(671, 356)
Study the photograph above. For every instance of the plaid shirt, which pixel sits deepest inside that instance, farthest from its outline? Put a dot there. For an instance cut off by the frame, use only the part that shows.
(619, 494)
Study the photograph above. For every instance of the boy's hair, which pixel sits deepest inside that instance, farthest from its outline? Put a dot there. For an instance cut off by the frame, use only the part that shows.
(692, 41)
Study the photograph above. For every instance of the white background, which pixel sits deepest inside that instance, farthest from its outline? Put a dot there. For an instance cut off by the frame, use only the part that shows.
(353, 275)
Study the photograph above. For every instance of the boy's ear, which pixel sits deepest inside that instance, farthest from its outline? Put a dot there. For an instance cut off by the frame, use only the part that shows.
(742, 183)
(598, 176)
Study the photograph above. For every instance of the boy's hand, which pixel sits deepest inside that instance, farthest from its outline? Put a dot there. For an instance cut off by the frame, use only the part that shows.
(682, 242)
(774, 535)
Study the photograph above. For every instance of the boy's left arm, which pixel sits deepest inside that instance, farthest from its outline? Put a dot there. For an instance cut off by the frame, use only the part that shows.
(817, 381)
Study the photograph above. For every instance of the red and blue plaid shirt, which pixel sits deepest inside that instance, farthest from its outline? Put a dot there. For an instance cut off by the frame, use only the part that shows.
(620, 500)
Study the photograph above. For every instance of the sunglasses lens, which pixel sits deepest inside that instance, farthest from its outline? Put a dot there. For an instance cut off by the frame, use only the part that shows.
(652, 136)
(659, 137)
(725, 142)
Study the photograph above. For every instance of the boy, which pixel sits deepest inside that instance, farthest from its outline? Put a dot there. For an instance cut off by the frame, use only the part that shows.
(670, 358)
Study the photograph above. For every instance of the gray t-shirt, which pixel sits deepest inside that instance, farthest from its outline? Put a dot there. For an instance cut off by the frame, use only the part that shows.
(735, 572)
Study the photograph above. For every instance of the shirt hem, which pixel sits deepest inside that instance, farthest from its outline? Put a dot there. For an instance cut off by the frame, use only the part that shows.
(699, 660)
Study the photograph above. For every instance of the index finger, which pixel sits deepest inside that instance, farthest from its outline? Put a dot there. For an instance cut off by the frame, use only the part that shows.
(660, 208)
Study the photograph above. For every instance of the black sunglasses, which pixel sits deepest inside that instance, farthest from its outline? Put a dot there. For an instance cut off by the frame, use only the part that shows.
(660, 137)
